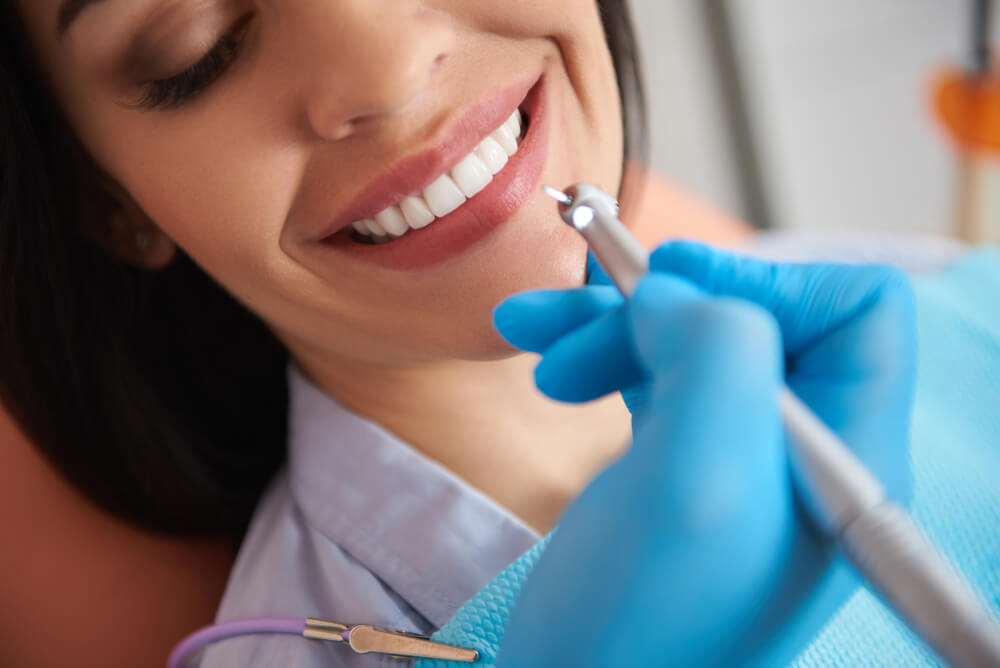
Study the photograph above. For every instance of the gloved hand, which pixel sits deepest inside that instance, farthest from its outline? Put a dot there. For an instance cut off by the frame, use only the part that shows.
(691, 549)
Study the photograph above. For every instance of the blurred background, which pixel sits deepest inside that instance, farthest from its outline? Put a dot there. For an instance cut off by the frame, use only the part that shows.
(808, 114)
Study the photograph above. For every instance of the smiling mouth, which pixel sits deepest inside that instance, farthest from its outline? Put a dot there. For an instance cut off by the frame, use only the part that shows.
(449, 191)
(434, 178)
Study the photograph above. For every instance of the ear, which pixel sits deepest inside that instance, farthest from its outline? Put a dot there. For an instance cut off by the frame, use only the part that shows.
(132, 237)
(117, 224)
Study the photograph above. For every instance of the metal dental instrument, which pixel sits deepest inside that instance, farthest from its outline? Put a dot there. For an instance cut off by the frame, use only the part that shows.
(843, 497)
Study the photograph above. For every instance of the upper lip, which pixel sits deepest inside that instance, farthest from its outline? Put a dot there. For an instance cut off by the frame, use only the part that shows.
(414, 172)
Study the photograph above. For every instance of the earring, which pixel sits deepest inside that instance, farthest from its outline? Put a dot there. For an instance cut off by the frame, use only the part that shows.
(141, 241)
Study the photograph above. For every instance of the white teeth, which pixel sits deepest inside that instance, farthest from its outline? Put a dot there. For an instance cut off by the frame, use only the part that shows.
(449, 191)
(471, 175)
(506, 139)
(492, 154)
(374, 227)
(443, 196)
(514, 123)
(416, 212)
(392, 221)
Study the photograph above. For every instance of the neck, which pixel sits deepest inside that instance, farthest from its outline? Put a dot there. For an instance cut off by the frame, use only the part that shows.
(486, 422)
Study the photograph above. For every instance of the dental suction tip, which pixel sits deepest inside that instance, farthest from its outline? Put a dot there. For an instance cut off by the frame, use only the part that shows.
(558, 195)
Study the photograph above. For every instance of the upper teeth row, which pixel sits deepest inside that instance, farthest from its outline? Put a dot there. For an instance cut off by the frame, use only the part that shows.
(450, 190)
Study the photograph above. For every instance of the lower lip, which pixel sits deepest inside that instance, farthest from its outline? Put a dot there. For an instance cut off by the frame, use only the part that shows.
(489, 209)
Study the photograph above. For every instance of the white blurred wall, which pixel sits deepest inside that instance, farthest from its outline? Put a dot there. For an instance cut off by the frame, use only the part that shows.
(837, 99)
(689, 138)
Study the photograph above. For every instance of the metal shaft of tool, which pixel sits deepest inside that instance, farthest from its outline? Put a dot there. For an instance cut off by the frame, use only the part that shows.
(843, 497)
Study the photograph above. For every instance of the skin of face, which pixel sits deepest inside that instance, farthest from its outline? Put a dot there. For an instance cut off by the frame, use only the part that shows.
(321, 97)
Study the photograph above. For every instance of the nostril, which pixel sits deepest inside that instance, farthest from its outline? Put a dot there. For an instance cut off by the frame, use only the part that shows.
(329, 122)
(343, 131)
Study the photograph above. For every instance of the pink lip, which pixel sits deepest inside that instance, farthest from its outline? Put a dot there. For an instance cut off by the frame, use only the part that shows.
(490, 208)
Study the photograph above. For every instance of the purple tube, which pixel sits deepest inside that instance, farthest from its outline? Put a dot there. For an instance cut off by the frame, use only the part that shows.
(238, 627)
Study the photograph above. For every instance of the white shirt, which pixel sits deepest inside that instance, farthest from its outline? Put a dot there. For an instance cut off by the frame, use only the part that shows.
(359, 528)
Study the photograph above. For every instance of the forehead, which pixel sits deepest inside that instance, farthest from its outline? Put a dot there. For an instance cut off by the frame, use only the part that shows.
(53, 19)
(48, 20)
(68, 33)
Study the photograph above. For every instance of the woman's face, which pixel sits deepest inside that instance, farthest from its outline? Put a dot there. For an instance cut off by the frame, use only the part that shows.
(253, 133)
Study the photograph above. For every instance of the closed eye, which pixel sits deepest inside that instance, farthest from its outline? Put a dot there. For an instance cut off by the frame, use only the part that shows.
(173, 92)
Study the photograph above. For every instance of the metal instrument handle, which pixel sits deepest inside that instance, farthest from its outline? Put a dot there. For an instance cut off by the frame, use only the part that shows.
(843, 497)
(907, 571)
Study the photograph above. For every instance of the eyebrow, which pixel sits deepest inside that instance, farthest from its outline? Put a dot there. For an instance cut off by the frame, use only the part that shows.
(69, 11)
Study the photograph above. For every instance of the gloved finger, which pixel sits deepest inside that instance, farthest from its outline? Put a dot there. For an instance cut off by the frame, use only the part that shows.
(850, 338)
(635, 396)
(670, 315)
(590, 361)
(808, 300)
(534, 320)
(595, 272)
(600, 357)
(730, 342)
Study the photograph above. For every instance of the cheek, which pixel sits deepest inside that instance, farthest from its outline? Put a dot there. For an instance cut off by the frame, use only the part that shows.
(575, 27)
(221, 190)
(594, 151)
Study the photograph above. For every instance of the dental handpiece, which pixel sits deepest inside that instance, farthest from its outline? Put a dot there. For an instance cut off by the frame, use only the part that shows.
(843, 497)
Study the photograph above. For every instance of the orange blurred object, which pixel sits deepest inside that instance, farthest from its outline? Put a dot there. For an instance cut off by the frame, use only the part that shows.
(969, 109)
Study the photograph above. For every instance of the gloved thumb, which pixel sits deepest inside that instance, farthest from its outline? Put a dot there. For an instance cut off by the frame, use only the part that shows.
(710, 342)
(674, 546)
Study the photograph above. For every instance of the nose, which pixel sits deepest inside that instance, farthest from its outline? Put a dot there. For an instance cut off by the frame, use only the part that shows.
(367, 59)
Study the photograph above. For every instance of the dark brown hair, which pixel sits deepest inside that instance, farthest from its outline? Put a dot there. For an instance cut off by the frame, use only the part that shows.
(158, 395)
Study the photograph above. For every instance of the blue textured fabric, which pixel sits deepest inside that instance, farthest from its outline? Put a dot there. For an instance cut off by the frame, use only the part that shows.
(956, 468)
(480, 623)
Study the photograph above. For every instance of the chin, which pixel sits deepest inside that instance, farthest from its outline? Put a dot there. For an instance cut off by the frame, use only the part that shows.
(452, 318)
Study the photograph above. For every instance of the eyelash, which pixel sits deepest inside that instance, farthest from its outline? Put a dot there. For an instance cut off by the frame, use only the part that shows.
(170, 93)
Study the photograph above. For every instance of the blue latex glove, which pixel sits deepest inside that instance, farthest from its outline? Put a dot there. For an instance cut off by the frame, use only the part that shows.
(691, 549)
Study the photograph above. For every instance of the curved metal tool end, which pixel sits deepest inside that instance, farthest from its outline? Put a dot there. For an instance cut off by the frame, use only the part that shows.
(558, 195)
(594, 214)
(573, 210)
